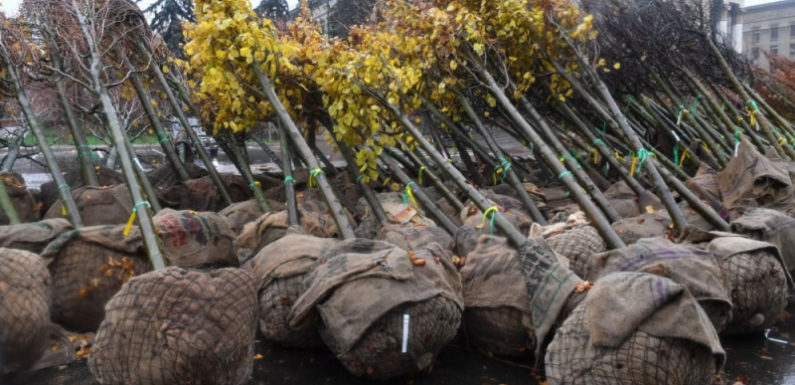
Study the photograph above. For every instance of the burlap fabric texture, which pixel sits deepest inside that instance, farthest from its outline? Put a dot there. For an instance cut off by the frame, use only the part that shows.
(497, 314)
(33, 236)
(28, 209)
(273, 226)
(769, 226)
(88, 266)
(24, 308)
(375, 299)
(638, 329)
(694, 268)
(577, 245)
(178, 326)
(193, 239)
(98, 205)
(280, 270)
(628, 204)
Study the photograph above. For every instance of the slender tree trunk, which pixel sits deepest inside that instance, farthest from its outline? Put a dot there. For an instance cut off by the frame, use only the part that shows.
(289, 183)
(84, 153)
(7, 205)
(368, 193)
(189, 130)
(151, 196)
(154, 120)
(435, 180)
(268, 152)
(27, 110)
(151, 242)
(289, 127)
(245, 170)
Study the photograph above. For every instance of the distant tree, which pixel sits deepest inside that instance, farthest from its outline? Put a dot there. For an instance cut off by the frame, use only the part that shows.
(276, 10)
(167, 19)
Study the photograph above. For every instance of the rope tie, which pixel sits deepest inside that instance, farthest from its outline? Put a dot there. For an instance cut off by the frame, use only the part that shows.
(255, 184)
(564, 173)
(696, 102)
(752, 109)
(493, 210)
(639, 159)
(419, 174)
(133, 215)
(685, 154)
(289, 179)
(86, 151)
(313, 175)
(408, 195)
(630, 101)
(359, 178)
(501, 169)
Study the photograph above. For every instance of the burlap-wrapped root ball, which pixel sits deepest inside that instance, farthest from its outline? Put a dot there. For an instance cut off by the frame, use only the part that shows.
(33, 236)
(88, 266)
(657, 335)
(24, 308)
(757, 282)
(109, 205)
(497, 306)
(280, 270)
(178, 326)
(385, 312)
(194, 239)
(577, 245)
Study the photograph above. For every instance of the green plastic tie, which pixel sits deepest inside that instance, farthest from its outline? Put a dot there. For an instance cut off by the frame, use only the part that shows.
(643, 154)
(289, 179)
(141, 203)
(63, 186)
(564, 173)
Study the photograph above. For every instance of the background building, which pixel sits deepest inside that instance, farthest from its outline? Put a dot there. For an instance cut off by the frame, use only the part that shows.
(769, 28)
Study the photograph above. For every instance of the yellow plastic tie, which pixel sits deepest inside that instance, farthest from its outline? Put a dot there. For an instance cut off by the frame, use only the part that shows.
(408, 195)
(133, 215)
(490, 211)
(632, 168)
(313, 174)
(685, 154)
(63, 210)
(419, 176)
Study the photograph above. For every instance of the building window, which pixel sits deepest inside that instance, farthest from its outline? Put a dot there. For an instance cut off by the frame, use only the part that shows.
(774, 32)
(755, 53)
(755, 35)
(774, 49)
(792, 30)
(792, 50)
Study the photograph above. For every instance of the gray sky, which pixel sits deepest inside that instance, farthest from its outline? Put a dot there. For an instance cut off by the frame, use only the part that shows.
(10, 6)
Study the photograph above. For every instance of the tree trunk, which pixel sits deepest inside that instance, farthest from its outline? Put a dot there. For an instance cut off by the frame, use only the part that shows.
(289, 127)
(7, 205)
(154, 120)
(289, 182)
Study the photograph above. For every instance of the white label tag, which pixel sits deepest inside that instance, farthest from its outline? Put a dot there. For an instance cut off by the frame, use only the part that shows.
(404, 346)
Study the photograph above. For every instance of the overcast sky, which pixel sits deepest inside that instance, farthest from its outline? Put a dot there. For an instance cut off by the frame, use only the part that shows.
(10, 6)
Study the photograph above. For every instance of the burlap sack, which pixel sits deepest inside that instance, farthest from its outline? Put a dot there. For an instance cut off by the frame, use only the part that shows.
(647, 225)
(24, 308)
(757, 282)
(88, 266)
(395, 210)
(240, 213)
(658, 334)
(33, 236)
(751, 180)
(201, 194)
(706, 187)
(510, 208)
(310, 203)
(627, 203)
(74, 178)
(98, 205)
(191, 239)
(696, 269)
(164, 177)
(769, 226)
(28, 209)
(273, 226)
(280, 270)
(178, 326)
(577, 245)
(366, 291)
(497, 306)
(411, 237)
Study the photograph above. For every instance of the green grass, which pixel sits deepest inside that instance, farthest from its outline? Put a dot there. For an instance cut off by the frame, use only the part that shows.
(57, 138)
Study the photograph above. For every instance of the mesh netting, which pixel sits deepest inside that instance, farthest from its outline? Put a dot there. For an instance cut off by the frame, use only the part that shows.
(432, 324)
(24, 308)
(178, 326)
(275, 301)
(642, 359)
(758, 290)
(85, 276)
(578, 245)
(502, 331)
